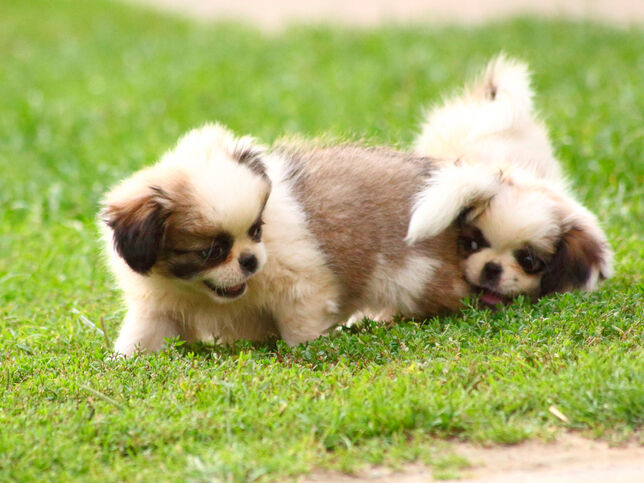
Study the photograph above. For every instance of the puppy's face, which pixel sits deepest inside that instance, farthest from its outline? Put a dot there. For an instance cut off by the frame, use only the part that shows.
(212, 254)
(195, 218)
(529, 240)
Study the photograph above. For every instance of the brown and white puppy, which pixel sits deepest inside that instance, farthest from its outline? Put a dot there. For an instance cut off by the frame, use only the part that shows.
(521, 231)
(225, 240)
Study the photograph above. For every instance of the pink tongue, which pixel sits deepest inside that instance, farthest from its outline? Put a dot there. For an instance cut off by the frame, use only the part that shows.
(491, 298)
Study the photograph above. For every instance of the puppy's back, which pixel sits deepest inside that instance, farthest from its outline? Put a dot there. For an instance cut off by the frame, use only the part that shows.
(357, 203)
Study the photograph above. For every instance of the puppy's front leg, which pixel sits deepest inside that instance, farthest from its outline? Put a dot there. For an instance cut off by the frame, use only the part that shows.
(303, 321)
(146, 332)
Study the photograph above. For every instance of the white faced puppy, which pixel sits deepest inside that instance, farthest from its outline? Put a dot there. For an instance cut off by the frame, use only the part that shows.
(224, 240)
(521, 231)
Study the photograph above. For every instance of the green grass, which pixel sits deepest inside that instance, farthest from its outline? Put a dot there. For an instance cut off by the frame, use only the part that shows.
(91, 91)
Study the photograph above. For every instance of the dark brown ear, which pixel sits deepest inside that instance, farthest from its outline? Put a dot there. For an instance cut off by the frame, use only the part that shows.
(138, 226)
(578, 255)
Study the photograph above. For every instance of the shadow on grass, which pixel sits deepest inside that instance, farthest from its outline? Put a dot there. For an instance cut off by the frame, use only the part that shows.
(558, 323)
(371, 343)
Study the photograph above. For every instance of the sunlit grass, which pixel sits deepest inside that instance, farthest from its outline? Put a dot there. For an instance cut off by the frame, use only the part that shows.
(91, 91)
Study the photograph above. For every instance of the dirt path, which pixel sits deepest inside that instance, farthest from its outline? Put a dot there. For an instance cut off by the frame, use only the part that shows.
(274, 14)
(570, 459)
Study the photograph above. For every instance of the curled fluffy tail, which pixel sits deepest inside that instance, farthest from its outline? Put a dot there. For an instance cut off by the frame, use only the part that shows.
(497, 102)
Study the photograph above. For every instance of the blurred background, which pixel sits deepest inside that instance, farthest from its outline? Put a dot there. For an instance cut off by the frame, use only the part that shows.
(274, 14)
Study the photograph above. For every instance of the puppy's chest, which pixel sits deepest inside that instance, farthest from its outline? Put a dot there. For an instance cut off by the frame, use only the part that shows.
(246, 319)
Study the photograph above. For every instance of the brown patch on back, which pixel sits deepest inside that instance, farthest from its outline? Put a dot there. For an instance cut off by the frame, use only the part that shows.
(358, 204)
(446, 289)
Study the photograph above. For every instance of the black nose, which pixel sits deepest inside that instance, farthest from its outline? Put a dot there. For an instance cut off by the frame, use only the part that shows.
(491, 272)
(248, 262)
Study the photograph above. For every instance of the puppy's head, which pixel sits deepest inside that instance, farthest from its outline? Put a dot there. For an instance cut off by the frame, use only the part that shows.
(529, 239)
(195, 217)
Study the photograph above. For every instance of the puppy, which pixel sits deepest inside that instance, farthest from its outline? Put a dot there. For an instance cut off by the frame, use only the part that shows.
(223, 239)
(520, 229)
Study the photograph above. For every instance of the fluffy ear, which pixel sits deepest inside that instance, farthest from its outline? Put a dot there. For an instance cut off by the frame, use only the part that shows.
(450, 191)
(138, 225)
(582, 258)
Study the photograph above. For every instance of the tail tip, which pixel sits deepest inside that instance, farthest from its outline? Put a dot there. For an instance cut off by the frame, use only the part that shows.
(507, 74)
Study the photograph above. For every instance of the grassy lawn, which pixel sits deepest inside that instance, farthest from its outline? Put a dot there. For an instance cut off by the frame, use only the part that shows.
(91, 91)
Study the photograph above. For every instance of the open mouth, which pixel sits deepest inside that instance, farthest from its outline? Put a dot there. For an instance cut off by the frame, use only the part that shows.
(227, 292)
(492, 298)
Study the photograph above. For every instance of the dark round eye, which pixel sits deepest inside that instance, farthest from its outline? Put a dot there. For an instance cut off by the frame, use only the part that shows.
(469, 245)
(214, 251)
(529, 261)
(255, 232)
